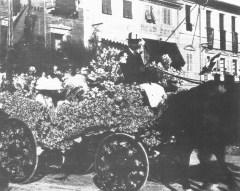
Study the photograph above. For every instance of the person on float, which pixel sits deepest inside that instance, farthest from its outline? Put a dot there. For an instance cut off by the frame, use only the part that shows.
(131, 62)
(134, 71)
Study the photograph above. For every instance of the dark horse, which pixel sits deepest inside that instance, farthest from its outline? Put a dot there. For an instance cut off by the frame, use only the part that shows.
(207, 118)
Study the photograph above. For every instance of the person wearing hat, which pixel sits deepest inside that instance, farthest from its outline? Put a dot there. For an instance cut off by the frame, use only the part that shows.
(131, 62)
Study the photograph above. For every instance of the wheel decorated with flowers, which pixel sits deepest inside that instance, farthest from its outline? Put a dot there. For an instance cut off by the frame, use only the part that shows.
(121, 164)
(18, 153)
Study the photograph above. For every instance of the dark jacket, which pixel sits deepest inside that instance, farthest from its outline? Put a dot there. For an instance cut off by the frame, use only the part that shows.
(133, 69)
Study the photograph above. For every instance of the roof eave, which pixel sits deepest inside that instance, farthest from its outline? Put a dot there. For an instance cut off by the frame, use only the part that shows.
(173, 4)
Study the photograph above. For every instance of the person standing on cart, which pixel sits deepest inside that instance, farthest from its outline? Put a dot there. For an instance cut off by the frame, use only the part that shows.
(131, 62)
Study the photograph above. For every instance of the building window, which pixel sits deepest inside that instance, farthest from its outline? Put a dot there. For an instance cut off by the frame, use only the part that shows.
(188, 18)
(234, 66)
(56, 41)
(149, 16)
(167, 16)
(221, 21)
(127, 9)
(234, 36)
(208, 19)
(65, 8)
(222, 39)
(233, 24)
(222, 32)
(210, 37)
(16, 7)
(235, 42)
(106, 7)
(210, 30)
(222, 66)
(189, 62)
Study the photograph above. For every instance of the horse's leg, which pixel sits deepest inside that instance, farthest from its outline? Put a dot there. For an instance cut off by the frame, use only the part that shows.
(220, 154)
(204, 157)
(4, 179)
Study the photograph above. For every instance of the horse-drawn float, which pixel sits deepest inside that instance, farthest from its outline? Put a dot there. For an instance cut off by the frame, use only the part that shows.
(205, 117)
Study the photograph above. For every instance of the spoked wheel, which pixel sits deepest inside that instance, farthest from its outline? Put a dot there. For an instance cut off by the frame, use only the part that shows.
(18, 153)
(121, 164)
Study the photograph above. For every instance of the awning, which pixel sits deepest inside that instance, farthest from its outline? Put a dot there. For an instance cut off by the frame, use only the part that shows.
(155, 49)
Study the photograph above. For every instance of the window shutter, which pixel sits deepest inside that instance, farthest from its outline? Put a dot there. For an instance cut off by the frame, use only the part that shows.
(127, 9)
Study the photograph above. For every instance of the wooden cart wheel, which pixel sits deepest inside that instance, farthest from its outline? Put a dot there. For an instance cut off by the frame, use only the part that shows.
(121, 164)
(18, 154)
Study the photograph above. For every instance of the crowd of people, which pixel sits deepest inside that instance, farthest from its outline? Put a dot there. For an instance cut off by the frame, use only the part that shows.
(48, 88)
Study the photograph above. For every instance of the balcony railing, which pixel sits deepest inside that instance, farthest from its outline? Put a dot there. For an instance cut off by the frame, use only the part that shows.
(235, 42)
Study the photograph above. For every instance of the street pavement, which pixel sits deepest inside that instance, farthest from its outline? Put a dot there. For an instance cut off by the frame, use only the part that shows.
(85, 183)
(78, 183)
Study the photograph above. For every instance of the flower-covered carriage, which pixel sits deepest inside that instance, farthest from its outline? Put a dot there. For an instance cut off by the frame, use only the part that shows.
(116, 132)
(109, 128)
(30, 133)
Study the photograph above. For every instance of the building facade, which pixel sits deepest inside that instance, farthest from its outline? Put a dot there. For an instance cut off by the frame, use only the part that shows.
(210, 28)
(151, 19)
(115, 19)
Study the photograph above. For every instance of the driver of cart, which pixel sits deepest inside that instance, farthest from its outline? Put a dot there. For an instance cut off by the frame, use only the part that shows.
(134, 71)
